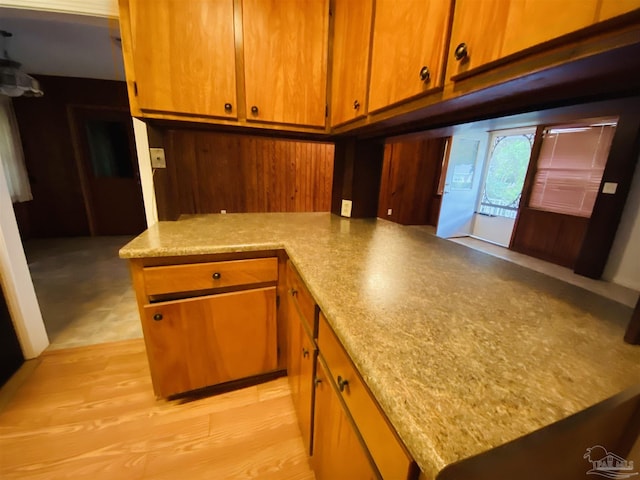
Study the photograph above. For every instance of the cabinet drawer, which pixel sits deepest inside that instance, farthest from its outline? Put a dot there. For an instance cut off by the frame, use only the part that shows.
(205, 276)
(390, 456)
(302, 299)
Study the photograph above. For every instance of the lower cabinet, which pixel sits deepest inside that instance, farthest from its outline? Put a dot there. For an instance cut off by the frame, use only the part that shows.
(338, 451)
(209, 340)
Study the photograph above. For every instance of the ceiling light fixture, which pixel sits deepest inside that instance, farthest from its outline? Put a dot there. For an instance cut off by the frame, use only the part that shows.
(13, 81)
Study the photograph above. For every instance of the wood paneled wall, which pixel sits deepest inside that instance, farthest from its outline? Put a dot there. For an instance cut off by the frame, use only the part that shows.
(238, 173)
(550, 236)
(57, 208)
(410, 175)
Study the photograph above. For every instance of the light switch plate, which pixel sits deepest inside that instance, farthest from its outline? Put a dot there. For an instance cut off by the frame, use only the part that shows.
(345, 211)
(610, 188)
(157, 158)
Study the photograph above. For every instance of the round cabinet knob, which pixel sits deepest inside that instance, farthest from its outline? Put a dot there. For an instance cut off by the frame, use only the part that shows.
(254, 110)
(216, 276)
(228, 107)
(425, 75)
(356, 105)
(157, 317)
(342, 383)
(305, 352)
(461, 52)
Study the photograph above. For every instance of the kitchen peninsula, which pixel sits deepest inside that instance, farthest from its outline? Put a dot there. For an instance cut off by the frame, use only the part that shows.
(462, 351)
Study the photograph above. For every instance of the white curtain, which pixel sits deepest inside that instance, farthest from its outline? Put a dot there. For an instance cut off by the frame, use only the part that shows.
(11, 154)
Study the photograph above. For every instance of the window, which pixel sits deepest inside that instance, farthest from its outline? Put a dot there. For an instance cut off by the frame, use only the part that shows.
(570, 167)
(508, 162)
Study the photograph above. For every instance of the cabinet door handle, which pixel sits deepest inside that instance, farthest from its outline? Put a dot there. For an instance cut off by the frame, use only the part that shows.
(293, 292)
(342, 383)
(228, 107)
(317, 381)
(356, 105)
(425, 75)
(157, 317)
(305, 352)
(461, 52)
(216, 276)
(254, 110)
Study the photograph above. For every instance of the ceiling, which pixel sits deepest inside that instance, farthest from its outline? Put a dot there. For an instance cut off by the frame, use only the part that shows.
(66, 45)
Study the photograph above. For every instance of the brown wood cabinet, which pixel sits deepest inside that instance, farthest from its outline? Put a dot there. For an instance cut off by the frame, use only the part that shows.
(408, 51)
(182, 55)
(350, 68)
(387, 452)
(516, 26)
(338, 451)
(207, 323)
(285, 60)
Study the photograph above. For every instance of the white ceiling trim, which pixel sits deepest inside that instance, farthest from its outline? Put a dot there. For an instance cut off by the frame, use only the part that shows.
(97, 8)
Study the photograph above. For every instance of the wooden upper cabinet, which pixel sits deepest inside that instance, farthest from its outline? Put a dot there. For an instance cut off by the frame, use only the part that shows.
(409, 41)
(351, 47)
(285, 60)
(489, 30)
(183, 56)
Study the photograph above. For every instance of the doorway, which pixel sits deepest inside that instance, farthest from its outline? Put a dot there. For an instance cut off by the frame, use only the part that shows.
(503, 180)
(105, 153)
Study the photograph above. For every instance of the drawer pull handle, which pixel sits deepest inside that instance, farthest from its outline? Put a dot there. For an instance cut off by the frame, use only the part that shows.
(342, 383)
(293, 292)
(216, 276)
(317, 381)
(305, 352)
(157, 317)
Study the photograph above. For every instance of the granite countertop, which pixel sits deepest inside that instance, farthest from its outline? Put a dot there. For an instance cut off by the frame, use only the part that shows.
(463, 351)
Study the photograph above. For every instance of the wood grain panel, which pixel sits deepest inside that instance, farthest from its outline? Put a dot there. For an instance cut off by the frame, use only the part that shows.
(200, 276)
(338, 452)
(285, 60)
(550, 236)
(409, 182)
(240, 173)
(388, 452)
(89, 412)
(350, 67)
(613, 8)
(397, 59)
(184, 56)
(210, 340)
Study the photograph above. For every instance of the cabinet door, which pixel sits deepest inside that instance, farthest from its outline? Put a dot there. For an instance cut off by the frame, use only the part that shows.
(184, 56)
(516, 25)
(204, 341)
(285, 57)
(351, 41)
(337, 450)
(300, 370)
(409, 39)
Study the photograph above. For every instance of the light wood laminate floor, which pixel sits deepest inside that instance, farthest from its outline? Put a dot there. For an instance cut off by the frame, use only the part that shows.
(90, 413)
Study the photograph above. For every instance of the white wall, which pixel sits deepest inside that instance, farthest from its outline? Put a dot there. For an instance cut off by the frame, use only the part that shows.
(16, 280)
(623, 266)
(146, 173)
(100, 8)
(493, 229)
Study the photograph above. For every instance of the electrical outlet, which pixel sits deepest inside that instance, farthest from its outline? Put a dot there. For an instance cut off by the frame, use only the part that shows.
(610, 188)
(346, 208)
(223, 211)
(157, 158)
(389, 211)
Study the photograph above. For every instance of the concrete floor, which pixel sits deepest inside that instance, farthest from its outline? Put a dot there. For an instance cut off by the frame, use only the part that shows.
(84, 290)
(86, 297)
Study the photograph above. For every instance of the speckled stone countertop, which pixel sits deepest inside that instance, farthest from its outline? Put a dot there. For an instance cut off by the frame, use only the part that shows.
(463, 351)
